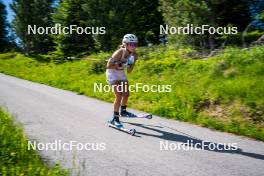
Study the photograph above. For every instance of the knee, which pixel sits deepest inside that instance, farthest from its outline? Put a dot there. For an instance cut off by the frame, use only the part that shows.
(126, 94)
(118, 96)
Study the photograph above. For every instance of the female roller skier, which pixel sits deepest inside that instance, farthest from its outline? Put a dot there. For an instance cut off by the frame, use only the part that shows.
(115, 75)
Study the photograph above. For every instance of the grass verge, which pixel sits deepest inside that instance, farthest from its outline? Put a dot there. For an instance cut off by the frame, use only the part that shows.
(224, 92)
(15, 158)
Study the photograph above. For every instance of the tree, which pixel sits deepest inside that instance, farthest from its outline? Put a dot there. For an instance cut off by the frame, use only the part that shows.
(71, 12)
(120, 17)
(3, 30)
(261, 16)
(199, 12)
(33, 12)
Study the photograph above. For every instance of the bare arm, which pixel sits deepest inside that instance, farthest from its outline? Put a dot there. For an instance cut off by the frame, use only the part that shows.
(115, 60)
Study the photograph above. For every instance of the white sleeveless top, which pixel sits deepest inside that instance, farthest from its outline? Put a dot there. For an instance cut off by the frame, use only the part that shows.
(123, 60)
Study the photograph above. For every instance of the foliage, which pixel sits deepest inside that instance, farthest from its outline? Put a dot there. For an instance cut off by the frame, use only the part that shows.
(261, 17)
(122, 17)
(33, 12)
(3, 30)
(222, 92)
(71, 12)
(15, 158)
(215, 13)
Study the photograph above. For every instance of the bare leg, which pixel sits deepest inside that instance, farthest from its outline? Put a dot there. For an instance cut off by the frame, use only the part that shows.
(125, 94)
(118, 98)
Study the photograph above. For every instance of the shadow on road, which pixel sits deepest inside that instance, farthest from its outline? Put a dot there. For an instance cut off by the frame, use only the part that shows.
(185, 138)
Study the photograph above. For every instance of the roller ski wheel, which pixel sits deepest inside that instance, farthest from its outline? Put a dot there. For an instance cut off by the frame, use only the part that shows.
(132, 132)
(121, 128)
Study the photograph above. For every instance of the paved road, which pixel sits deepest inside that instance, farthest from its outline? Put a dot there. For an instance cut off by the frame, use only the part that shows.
(52, 115)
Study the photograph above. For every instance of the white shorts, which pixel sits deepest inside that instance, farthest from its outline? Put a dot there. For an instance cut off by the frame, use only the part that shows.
(113, 75)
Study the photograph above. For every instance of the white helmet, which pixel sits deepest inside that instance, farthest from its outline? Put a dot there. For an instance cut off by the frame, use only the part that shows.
(129, 38)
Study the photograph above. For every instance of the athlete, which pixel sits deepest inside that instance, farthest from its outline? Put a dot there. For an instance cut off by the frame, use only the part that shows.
(124, 57)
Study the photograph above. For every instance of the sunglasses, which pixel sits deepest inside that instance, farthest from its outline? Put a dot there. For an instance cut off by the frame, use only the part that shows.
(132, 44)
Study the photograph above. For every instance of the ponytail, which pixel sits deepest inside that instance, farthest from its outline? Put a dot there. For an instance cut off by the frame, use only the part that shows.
(121, 46)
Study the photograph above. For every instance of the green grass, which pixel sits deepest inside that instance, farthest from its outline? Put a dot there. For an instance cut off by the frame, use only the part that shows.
(15, 158)
(225, 92)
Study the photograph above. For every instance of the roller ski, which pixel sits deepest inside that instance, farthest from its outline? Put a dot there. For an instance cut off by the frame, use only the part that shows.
(127, 114)
(115, 123)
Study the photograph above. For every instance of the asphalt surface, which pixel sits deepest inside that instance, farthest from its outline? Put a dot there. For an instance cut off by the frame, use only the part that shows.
(49, 115)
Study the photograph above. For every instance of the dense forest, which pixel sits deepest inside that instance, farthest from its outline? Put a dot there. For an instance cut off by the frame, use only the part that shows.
(143, 18)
